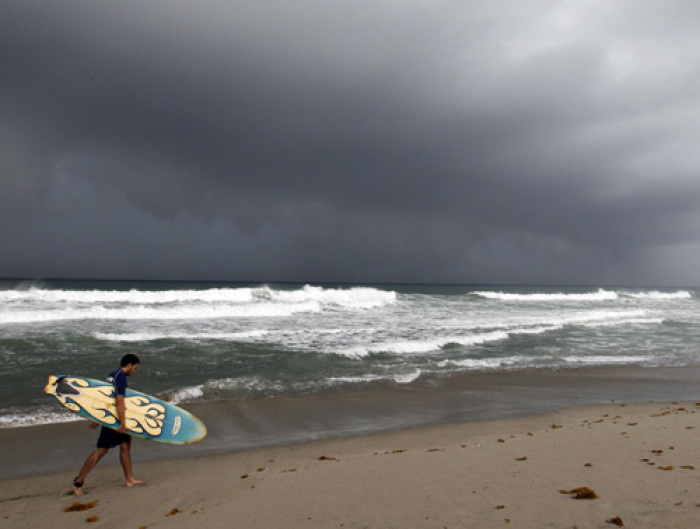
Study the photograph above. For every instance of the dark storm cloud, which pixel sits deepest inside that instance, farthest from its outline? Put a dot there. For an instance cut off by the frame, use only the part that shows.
(448, 141)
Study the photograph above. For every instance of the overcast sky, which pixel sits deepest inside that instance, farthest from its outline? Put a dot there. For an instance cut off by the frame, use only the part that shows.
(538, 142)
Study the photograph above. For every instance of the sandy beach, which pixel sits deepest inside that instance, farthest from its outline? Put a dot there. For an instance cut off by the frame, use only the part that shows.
(638, 460)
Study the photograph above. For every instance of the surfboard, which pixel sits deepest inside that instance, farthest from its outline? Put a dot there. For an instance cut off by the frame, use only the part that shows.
(146, 416)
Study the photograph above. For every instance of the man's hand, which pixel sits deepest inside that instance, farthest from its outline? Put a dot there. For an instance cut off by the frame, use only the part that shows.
(121, 414)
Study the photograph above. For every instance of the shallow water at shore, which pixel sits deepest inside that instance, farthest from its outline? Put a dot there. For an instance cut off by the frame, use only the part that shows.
(266, 421)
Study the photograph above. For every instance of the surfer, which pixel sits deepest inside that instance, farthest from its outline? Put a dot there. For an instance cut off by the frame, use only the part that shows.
(110, 438)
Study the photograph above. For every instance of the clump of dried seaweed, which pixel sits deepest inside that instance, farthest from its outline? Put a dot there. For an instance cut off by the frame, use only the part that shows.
(581, 493)
(77, 506)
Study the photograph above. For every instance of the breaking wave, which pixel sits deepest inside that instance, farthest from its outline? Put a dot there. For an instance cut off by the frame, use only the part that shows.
(43, 305)
(599, 295)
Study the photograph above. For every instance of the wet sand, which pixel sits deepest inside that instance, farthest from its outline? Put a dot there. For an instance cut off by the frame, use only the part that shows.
(264, 422)
(639, 460)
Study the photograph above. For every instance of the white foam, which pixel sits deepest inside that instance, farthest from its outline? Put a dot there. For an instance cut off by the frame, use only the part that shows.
(185, 394)
(487, 363)
(603, 359)
(244, 383)
(141, 297)
(424, 346)
(589, 318)
(358, 297)
(36, 418)
(654, 295)
(152, 336)
(352, 380)
(37, 305)
(600, 316)
(594, 318)
(405, 378)
(140, 312)
(600, 295)
(351, 297)
(620, 322)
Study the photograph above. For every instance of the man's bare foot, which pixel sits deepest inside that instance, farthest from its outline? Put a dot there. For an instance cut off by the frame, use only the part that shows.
(135, 483)
(77, 488)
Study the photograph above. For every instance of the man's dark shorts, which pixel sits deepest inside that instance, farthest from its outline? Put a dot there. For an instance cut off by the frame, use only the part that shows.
(110, 438)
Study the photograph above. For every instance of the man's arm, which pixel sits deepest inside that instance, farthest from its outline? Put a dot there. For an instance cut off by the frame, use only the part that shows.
(121, 413)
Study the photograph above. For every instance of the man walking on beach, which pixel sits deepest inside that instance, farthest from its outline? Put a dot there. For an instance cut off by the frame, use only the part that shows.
(110, 438)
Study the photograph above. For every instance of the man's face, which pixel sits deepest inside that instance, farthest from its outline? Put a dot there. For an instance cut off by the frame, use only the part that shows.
(130, 369)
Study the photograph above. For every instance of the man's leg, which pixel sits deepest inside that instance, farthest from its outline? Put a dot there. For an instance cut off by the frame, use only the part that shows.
(90, 463)
(125, 459)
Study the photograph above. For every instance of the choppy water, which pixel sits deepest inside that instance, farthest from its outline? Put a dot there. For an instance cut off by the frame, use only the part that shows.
(205, 341)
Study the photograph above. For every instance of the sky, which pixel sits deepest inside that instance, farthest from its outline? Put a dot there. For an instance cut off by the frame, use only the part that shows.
(500, 142)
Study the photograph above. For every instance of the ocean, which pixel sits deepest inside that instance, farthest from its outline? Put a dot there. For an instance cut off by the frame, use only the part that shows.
(292, 361)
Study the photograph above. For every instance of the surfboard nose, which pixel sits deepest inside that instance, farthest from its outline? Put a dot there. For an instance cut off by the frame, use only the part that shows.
(51, 385)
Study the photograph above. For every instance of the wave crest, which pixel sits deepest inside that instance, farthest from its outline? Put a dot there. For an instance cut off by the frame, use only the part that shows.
(44, 305)
(600, 295)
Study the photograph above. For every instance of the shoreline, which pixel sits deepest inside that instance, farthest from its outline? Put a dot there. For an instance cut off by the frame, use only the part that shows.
(638, 458)
(246, 424)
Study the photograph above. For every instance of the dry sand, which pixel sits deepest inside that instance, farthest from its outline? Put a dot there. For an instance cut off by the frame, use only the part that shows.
(640, 460)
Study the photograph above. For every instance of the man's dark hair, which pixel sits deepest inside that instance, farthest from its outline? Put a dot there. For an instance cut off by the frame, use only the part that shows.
(130, 358)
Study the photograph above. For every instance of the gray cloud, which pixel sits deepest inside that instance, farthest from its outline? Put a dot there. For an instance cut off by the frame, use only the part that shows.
(351, 141)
